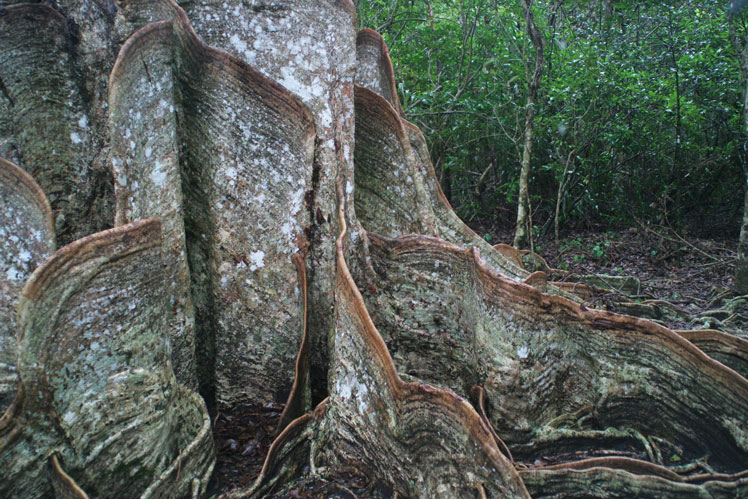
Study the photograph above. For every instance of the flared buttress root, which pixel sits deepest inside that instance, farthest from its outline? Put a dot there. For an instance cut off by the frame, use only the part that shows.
(27, 237)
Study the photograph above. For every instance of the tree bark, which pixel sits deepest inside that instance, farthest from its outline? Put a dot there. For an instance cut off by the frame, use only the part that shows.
(523, 230)
(27, 232)
(281, 238)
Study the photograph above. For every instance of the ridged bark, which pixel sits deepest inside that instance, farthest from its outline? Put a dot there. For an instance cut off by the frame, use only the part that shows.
(96, 388)
(27, 237)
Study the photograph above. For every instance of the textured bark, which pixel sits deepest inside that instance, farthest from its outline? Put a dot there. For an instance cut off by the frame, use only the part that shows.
(547, 358)
(309, 48)
(287, 265)
(420, 439)
(373, 68)
(52, 126)
(96, 387)
(207, 143)
(397, 191)
(27, 237)
(378, 422)
(730, 350)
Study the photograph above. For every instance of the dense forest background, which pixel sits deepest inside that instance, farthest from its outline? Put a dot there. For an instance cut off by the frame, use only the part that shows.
(638, 116)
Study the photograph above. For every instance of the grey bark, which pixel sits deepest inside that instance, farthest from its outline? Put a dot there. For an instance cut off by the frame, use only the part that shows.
(27, 237)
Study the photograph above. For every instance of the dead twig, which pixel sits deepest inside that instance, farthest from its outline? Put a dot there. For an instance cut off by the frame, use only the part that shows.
(678, 239)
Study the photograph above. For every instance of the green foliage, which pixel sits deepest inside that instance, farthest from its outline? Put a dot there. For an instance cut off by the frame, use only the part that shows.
(640, 104)
(600, 250)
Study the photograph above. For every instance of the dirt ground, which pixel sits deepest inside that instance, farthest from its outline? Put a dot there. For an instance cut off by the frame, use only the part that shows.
(242, 440)
(691, 273)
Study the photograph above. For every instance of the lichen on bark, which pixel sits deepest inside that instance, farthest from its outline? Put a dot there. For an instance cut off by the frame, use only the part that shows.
(96, 388)
(50, 124)
(27, 237)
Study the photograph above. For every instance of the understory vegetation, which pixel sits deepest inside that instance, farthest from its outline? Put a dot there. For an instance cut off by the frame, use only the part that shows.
(638, 119)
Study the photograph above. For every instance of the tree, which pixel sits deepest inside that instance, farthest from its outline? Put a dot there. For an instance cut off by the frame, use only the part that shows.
(523, 231)
(741, 47)
(280, 236)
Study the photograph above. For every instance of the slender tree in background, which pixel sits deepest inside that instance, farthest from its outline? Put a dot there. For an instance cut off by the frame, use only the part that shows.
(523, 230)
(279, 237)
(741, 47)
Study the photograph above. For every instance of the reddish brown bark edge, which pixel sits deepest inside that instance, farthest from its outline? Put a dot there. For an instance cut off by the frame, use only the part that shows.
(62, 483)
(12, 174)
(479, 394)
(295, 404)
(138, 236)
(730, 350)
(477, 428)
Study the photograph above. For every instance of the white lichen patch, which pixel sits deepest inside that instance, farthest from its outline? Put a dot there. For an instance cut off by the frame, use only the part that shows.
(238, 44)
(287, 229)
(13, 274)
(159, 173)
(257, 260)
(352, 388)
(24, 255)
(70, 417)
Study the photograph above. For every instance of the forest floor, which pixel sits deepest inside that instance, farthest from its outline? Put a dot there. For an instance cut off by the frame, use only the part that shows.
(242, 440)
(689, 272)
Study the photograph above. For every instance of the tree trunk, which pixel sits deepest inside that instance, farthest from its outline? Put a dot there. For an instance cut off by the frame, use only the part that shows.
(280, 237)
(523, 231)
(741, 270)
(741, 47)
(560, 193)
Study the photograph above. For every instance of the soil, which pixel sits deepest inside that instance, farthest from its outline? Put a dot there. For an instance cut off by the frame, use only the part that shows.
(689, 272)
(242, 439)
